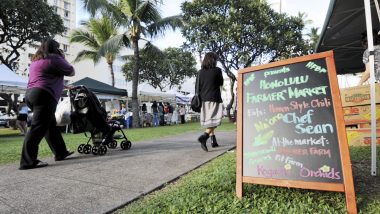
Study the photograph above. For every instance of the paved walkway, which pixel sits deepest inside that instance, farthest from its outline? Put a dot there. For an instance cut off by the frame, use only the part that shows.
(100, 184)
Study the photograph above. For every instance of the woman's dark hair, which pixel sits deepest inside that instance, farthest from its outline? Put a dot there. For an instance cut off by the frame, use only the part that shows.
(210, 60)
(48, 46)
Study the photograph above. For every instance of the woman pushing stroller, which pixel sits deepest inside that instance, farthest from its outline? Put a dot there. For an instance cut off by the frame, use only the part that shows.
(44, 89)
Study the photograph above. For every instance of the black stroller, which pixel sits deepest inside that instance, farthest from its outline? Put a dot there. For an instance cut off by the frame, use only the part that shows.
(89, 116)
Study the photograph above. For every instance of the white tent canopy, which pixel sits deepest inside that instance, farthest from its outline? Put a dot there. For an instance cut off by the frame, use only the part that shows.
(146, 93)
(149, 96)
(10, 82)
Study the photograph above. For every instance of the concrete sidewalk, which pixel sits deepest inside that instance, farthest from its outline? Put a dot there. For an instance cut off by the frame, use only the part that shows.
(100, 184)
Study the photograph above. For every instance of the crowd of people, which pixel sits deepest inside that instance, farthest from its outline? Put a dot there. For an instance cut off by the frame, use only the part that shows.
(160, 114)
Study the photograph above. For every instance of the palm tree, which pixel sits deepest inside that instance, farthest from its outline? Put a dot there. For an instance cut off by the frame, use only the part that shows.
(94, 36)
(141, 20)
(313, 37)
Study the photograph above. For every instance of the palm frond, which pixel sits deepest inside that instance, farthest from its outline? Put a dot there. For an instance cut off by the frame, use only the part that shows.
(85, 54)
(102, 28)
(92, 6)
(128, 7)
(160, 26)
(115, 13)
(147, 12)
(128, 57)
(152, 49)
(113, 45)
(84, 37)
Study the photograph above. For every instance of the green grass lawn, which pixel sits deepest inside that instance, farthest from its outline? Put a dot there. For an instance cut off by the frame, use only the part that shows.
(11, 142)
(211, 189)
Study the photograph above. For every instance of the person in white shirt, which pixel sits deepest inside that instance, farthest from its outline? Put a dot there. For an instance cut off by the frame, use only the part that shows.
(22, 118)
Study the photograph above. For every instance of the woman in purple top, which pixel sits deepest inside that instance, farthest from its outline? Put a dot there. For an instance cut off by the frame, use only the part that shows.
(45, 86)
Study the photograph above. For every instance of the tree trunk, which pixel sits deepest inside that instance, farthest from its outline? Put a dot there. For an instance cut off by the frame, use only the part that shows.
(112, 73)
(232, 81)
(135, 83)
(230, 104)
(12, 105)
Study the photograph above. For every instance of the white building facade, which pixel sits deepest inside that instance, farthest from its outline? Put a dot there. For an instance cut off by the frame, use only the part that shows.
(67, 10)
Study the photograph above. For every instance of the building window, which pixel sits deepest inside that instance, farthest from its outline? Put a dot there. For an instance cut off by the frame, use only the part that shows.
(66, 23)
(55, 9)
(65, 31)
(66, 14)
(65, 47)
(66, 5)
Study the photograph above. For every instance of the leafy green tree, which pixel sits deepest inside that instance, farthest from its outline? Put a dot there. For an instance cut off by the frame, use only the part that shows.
(141, 21)
(163, 69)
(95, 34)
(242, 32)
(22, 23)
(25, 22)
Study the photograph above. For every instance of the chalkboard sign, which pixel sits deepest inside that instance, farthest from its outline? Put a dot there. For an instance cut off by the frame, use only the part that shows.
(290, 126)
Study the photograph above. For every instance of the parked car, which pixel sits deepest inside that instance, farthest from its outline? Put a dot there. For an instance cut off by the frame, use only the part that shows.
(4, 120)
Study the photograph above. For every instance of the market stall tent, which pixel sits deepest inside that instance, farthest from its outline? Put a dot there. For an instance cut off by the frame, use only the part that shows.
(345, 22)
(149, 96)
(10, 82)
(102, 90)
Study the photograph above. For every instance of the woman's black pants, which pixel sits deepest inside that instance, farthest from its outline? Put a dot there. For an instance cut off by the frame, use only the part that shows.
(43, 124)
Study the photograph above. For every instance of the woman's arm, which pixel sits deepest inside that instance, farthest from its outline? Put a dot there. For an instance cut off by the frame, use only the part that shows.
(62, 66)
(365, 75)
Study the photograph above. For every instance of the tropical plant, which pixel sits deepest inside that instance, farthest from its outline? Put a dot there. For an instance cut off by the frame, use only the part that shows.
(313, 38)
(243, 33)
(141, 21)
(95, 34)
(162, 69)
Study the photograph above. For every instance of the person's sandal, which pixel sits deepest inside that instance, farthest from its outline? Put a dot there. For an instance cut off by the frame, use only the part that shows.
(37, 164)
(58, 158)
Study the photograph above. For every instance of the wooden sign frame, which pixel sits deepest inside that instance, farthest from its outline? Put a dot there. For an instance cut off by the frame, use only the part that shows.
(348, 185)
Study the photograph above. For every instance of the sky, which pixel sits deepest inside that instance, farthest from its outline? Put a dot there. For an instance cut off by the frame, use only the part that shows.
(315, 10)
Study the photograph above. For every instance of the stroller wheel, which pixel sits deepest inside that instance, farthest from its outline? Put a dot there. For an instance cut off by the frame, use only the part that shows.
(112, 144)
(95, 150)
(87, 149)
(125, 145)
(80, 148)
(102, 150)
